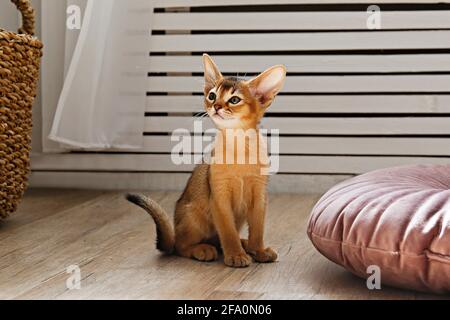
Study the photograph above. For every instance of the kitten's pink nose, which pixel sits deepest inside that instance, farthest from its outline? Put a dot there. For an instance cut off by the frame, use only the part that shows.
(217, 107)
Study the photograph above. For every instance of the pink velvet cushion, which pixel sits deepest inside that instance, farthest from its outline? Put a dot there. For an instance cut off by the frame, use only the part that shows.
(397, 219)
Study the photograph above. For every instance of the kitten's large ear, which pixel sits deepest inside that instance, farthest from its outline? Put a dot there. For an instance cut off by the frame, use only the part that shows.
(268, 84)
(212, 73)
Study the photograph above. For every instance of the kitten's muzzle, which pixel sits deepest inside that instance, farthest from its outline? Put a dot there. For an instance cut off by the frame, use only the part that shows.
(217, 107)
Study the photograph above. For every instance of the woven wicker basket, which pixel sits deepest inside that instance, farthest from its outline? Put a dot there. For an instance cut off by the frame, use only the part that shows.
(20, 55)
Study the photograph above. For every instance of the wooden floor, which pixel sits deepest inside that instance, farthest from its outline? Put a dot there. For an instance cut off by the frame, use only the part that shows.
(113, 244)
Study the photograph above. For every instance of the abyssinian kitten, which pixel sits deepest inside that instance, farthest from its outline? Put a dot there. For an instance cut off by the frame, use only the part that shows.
(220, 197)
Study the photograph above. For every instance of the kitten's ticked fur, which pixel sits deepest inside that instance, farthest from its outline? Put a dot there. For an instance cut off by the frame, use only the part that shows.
(220, 198)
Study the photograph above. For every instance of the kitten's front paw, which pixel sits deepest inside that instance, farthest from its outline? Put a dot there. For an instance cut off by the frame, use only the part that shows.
(241, 260)
(265, 256)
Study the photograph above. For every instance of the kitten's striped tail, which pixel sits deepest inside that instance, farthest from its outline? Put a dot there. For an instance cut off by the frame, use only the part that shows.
(165, 241)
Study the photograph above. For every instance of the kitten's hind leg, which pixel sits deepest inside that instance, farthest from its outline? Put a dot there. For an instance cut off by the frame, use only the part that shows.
(192, 233)
(200, 252)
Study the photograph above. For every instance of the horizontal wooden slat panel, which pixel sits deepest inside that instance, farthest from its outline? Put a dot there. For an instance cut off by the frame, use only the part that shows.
(332, 145)
(155, 163)
(301, 183)
(299, 20)
(320, 104)
(327, 153)
(198, 3)
(308, 64)
(365, 146)
(324, 126)
(350, 165)
(302, 41)
(317, 84)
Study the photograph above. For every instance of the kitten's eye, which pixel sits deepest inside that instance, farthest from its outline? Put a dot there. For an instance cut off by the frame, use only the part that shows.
(235, 100)
(212, 96)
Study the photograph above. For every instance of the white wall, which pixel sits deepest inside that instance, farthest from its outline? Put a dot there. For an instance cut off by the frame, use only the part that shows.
(8, 16)
(37, 109)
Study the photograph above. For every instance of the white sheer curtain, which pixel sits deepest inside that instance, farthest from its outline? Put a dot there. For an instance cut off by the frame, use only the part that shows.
(102, 103)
